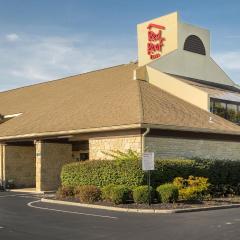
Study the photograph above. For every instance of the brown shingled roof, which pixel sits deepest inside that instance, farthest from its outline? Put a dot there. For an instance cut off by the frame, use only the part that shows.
(104, 98)
(162, 108)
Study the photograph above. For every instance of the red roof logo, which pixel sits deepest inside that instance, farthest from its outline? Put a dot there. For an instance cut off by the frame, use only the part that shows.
(155, 40)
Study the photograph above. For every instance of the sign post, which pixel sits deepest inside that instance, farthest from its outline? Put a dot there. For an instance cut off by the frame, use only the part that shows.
(148, 165)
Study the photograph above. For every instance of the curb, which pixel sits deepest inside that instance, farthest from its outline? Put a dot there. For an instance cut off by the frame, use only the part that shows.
(132, 210)
(30, 191)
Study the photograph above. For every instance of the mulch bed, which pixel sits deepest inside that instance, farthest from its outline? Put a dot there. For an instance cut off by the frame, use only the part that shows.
(177, 205)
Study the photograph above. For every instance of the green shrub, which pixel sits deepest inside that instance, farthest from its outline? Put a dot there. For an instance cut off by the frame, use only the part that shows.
(224, 190)
(218, 171)
(193, 188)
(107, 192)
(223, 175)
(88, 193)
(116, 193)
(65, 192)
(120, 194)
(167, 170)
(167, 193)
(126, 170)
(140, 194)
(102, 173)
(190, 194)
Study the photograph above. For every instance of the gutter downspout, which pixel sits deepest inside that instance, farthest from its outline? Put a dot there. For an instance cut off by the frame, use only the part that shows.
(143, 139)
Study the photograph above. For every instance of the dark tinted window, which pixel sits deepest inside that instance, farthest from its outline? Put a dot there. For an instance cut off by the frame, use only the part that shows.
(225, 109)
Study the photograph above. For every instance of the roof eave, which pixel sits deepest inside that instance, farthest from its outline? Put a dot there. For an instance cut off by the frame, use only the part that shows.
(113, 128)
(188, 129)
(69, 132)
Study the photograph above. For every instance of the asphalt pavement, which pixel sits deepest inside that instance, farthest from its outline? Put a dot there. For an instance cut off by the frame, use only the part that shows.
(24, 217)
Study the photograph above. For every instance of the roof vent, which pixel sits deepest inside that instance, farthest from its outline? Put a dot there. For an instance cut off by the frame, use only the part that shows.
(11, 115)
(194, 44)
(4, 118)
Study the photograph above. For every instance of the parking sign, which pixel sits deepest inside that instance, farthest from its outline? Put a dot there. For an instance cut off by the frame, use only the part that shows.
(148, 161)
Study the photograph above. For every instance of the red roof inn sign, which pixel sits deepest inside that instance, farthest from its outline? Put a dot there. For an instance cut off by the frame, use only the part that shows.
(155, 40)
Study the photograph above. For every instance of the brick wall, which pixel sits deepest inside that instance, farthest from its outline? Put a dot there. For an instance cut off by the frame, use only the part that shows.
(97, 146)
(165, 147)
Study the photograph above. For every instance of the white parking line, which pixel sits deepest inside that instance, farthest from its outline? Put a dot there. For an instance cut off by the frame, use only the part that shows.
(30, 197)
(13, 195)
(63, 211)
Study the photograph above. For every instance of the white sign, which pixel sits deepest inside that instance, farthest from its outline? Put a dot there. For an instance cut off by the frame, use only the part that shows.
(148, 161)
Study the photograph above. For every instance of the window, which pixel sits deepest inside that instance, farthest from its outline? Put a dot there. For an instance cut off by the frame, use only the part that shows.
(220, 109)
(226, 109)
(194, 44)
(80, 150)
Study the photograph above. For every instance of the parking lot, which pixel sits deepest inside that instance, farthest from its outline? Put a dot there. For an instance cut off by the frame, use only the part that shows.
(23, 216)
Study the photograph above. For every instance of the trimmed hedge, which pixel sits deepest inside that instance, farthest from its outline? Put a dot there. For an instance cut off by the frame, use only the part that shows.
(107, 191)
(218, 171)
(129, 173)
(119, 194)
(116, 193)
(140, 194)
(167, 170)
(167, 193)
(102, 173)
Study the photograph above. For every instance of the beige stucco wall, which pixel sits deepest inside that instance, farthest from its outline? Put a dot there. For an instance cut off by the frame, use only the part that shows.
(19, 165)
(167, 147)
(50, 157)
(178, 88)
(169, 21)
(97, 146)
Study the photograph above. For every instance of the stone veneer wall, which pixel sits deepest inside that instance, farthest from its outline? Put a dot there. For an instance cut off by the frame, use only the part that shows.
(50, 157)
(99, 145)
(167, 147)
(19, 165)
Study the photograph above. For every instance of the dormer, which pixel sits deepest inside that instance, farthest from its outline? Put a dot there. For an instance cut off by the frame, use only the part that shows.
(178, 48)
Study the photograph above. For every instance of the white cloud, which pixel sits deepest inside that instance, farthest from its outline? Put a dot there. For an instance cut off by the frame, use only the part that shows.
(13, 37)
(35, 58)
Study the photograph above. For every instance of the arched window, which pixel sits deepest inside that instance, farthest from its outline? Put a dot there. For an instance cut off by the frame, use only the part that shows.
(194, 44)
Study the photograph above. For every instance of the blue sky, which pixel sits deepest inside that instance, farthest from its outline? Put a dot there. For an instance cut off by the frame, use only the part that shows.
(45, 40)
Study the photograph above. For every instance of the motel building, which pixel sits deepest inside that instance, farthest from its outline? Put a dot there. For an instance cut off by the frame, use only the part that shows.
(175, 101)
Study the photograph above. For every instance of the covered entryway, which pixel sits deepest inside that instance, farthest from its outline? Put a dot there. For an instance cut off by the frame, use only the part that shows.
(37, 163)
(34, 164)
